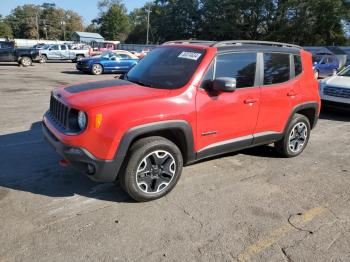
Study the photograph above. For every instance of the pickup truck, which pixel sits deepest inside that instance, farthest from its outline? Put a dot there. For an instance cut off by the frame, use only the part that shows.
(24, 57)
(63, 52)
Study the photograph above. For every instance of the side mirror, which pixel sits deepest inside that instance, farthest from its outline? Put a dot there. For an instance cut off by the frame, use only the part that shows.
(224, 84)
(50, 49)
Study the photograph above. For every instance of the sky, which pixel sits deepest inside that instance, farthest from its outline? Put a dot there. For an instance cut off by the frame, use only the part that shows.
(86, 8)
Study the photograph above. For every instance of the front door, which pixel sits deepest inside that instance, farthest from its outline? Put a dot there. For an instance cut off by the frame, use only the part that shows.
(227, 119)
(54, 52)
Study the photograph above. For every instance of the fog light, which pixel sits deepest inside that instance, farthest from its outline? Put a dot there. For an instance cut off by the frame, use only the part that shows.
(91, 169)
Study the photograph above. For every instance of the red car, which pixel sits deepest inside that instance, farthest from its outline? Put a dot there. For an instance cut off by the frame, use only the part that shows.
(185, 101)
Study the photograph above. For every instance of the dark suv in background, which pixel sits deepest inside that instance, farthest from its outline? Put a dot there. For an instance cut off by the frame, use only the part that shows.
(23, 56)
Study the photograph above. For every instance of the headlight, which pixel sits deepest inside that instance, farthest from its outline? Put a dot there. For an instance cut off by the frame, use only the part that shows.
(82, 120)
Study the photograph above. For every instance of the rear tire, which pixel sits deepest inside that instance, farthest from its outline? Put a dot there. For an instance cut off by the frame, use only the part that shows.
(26, 61)
(153, 168)
(43, 59)
(96, 69)
(295, 138)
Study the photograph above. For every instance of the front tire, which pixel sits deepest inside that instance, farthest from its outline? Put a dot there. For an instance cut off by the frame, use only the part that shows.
(152, 170)
(26, 61)
(96, 69)
(79, 57)
(295, 138)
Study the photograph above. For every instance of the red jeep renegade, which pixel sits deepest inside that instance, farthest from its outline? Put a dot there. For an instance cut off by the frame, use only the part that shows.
(185, 101)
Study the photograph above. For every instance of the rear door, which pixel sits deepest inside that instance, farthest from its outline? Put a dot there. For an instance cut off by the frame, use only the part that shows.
(225, 118)
(6, 52)
(280, 92)
(64, 52)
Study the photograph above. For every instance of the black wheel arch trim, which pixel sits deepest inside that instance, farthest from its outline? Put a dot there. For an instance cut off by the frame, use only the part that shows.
(303, 106)
(132, 134)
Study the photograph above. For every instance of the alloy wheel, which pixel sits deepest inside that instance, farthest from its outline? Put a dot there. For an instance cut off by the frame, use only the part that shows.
(155, 172)
(26, 61)
(97, 69)
(298, 137)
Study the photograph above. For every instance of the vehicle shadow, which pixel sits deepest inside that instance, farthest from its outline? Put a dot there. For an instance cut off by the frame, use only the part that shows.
(30, 164)
(76, 72)
(9, 64)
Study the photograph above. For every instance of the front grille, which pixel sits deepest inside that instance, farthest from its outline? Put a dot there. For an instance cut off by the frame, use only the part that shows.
(337, 91)
(59, 112)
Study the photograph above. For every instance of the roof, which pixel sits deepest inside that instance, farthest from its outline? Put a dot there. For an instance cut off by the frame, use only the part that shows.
(242, 45)
(89, 35)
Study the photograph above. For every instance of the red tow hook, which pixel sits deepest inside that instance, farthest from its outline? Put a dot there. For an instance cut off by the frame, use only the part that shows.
(63, 163)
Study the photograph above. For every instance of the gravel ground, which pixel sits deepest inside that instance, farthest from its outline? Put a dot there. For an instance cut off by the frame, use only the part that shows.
(247, 206)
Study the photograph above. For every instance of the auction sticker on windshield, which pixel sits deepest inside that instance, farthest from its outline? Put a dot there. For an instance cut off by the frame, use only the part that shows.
(190, 55)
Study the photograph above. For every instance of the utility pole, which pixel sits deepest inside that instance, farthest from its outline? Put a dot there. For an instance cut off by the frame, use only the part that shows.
(63, 24)
(37, 25)
(148, 17)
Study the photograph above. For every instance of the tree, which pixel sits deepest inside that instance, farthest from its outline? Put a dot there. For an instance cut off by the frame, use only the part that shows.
(5, 29)
(53, 22)
(113, 21)
(176, 19)
(22, 21)
(138, 20)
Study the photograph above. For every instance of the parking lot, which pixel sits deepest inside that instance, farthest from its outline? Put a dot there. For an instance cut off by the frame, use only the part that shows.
(246, 206)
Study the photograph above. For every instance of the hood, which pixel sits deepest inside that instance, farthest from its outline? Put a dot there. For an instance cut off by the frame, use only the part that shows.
(94, 94)
(338, 81)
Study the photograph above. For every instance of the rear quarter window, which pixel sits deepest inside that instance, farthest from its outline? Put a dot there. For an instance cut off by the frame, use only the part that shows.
(276, 68)
(298, 67)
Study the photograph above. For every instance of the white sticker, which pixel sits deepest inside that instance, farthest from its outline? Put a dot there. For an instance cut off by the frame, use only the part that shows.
(190, 55)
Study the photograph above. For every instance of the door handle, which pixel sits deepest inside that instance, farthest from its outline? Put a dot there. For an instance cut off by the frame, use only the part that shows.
(292, 93)
(250, 101)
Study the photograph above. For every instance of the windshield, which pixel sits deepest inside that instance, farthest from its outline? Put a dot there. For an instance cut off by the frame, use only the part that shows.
(316, 59)
(345, 72)
(166, 67)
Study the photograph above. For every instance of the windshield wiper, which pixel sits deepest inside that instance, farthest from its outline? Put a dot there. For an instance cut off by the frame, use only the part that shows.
(141, 83)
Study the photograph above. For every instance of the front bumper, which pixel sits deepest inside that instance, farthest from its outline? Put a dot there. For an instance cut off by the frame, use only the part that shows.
(83, 161)
(83, 68)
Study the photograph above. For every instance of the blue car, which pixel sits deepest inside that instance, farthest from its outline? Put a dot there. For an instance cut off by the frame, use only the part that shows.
(108, 62)
(325, 65)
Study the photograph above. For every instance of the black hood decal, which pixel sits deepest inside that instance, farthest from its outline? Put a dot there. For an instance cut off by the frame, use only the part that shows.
(96, 85)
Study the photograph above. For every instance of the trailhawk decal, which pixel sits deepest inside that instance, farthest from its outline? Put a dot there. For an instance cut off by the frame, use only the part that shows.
(96, 85)
(190, 55)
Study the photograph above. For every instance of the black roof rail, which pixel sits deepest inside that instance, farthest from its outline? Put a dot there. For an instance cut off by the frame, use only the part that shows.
(252, 42)
(205, 42)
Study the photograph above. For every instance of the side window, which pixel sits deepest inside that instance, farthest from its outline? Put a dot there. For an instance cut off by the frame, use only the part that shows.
(297, 65)
(63, 47)
(276, 68)
(237, 65)
(124, 56)
(208, 77)
(54, 47)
